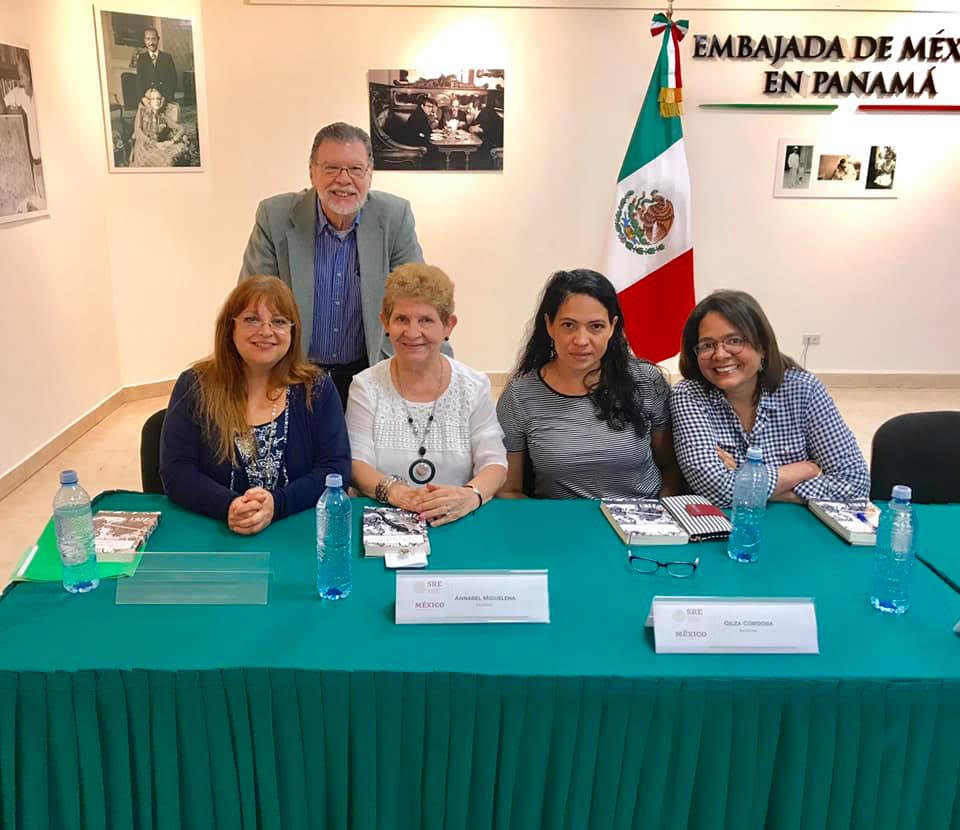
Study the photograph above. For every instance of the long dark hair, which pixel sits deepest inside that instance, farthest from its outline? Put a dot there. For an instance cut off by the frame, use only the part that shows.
(613, 391)
(745, 315)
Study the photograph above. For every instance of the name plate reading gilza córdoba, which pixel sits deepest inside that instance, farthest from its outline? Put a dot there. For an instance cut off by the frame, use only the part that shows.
(735, 625)
(472, 597)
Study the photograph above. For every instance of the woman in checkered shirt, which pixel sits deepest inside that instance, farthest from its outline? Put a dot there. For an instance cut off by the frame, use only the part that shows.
(740, 391)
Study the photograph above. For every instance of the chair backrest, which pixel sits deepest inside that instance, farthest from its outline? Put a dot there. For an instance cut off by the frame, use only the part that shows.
(128, 87)
(150, 453)
(921, 449)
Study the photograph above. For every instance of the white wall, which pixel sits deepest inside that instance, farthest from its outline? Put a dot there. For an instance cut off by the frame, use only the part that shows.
(61, 353)
(874, 278)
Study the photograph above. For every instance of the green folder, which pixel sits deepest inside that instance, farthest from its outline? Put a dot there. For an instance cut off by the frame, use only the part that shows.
(41, 562)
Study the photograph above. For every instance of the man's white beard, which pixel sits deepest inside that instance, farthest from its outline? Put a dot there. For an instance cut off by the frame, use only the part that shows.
(327, 206)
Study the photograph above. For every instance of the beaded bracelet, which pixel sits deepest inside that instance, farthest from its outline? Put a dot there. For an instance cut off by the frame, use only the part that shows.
(380, 492)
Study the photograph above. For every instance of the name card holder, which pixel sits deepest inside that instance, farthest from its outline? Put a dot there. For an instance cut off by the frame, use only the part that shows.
(734, 625)
(193, 578)
(472, 597)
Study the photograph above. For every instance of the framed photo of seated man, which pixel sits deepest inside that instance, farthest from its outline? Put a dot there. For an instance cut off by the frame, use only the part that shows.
(151, 73)
(446, 121)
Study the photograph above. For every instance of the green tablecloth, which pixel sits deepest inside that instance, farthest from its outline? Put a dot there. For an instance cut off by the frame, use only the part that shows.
(936, 540)
(310, 714)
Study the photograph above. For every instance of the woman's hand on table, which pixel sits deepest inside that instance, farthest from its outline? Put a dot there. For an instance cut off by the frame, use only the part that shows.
(405, 497)
(441, 505)
(251, 512)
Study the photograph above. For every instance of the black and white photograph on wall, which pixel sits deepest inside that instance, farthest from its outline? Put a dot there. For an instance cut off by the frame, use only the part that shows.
(882, 167)
(838, 168)
(813, 169)
(797, 166)
(447, 121)
(23, 194)
(150, 83)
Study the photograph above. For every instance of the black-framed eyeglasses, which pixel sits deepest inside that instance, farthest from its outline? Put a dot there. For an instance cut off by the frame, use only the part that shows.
(732, 344)
(354, 171)
(646, 565)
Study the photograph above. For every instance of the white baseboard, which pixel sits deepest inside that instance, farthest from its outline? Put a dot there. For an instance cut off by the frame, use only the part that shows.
(13, 478)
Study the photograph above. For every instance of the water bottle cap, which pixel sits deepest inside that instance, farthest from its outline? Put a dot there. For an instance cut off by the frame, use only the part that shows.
(334, 480)
(755, 454)
(901, 492)
(68, 476)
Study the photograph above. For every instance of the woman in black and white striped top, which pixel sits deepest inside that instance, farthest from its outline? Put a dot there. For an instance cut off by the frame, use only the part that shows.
(592, 419)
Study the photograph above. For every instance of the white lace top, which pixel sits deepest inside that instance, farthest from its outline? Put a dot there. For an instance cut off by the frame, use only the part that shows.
(464, 437)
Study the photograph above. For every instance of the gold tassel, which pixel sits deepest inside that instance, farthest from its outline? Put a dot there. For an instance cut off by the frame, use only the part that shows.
(671, 102)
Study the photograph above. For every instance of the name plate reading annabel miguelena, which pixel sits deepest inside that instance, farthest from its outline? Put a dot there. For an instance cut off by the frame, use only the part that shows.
(472, 597)
(735, 625)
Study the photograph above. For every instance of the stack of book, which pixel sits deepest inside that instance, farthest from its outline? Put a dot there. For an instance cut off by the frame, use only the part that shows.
(643, 522)
(855, 521)
(399, 536)
(672, 520)
(119, 534)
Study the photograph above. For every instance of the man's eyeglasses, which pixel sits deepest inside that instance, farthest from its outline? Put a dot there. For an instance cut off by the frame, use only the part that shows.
(251, 322)
(354, 171)
(645, 565)
(732, 344)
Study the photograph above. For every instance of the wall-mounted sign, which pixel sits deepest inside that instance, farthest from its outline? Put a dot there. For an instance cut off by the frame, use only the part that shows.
(778, 49)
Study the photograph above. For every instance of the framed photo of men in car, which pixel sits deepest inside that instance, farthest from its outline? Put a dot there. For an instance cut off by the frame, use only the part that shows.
(446, 121)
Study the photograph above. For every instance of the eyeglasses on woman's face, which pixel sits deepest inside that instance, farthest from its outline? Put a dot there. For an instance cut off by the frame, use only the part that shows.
(732, 344)
(253, 322)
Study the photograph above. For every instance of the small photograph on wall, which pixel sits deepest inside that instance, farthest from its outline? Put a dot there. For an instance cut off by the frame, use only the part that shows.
(23, 194)
(842, 168)
(883, 166)
(797, 166)
(832, 170)
(150, 85)
(447, 121)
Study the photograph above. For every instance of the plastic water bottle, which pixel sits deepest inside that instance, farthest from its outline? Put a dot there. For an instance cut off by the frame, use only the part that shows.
(895, 554)
(749, 502)
(73, 521)
(334, 528)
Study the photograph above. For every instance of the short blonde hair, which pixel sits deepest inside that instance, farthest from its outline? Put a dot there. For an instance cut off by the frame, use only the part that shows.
(417, 281)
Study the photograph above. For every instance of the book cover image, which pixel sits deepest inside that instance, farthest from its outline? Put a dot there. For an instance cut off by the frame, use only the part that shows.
(391, 525)
(643, 516)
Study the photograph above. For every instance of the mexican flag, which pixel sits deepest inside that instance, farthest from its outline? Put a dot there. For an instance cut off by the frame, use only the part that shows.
(649, 256)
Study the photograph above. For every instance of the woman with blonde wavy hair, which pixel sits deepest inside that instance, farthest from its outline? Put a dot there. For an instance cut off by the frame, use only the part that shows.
(251, 432)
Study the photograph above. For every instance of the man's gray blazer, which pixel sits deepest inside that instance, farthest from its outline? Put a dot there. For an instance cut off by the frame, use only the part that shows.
(283, 240)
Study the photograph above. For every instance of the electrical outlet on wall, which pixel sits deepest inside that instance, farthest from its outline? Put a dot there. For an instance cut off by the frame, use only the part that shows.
(811, 340)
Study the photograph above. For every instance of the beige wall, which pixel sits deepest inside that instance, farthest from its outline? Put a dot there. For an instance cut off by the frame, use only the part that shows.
(58, 304)
(874, 278)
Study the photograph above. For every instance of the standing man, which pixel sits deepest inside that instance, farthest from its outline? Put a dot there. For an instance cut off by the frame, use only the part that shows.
(334, 245)
(155, 68)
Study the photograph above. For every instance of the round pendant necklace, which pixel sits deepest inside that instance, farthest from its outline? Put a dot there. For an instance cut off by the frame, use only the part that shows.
(422, 469)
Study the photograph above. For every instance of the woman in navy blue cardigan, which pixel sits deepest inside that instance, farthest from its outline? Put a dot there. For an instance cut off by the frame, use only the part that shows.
(252, 432)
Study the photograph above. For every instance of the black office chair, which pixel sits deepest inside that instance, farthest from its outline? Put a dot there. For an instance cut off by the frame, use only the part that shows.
(150, 453)
(921, 449)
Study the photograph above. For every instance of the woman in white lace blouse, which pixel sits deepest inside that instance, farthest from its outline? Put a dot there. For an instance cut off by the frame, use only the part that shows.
(423, 428)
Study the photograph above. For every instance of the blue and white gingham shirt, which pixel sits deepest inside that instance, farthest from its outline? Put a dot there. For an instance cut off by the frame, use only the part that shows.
(797, 422)
(337, 335)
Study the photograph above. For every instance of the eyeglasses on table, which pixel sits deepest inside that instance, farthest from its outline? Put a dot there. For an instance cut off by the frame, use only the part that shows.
(646, 565)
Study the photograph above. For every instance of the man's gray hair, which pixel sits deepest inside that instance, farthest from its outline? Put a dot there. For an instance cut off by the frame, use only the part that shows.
(342, 134)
